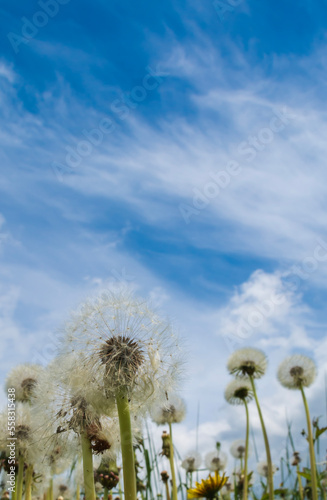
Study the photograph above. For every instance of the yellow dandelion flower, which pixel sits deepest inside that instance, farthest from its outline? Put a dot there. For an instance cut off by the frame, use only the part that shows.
(208, 488)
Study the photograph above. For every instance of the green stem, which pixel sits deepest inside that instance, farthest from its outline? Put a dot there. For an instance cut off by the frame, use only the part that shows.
(311, 448)
(89, 489)
(14, 493)
(28, 482)
(105, 494)
(20, 477)
(51, 489)
(247, 434)
(171, 460)
(299, 481)
(270, 478)
(127, 451)
(78, 491)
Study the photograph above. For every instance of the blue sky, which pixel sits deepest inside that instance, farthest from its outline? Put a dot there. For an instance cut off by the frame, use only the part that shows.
(117, 119)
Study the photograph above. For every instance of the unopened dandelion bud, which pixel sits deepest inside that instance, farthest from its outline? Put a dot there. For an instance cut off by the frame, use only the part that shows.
(164, 476)
(165, 452)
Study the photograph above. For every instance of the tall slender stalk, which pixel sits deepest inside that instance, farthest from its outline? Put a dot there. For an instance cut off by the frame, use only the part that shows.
(51, 489)
(105, 494)
(247, 435)
(20, 477)
(299, 481)
(28, 482)
(311, 448)
(172, 464)
(270, 478)
(89, 489)
(14, 493)
(126, 445)
(78, 491)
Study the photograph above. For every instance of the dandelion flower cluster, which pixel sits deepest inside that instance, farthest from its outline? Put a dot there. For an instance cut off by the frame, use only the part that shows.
(192, 461)
(216, 460)
(237, 449)
(24, 378)
(247, 362)
(120, 343)
(262, 468)
(297, 371)
(238, 391)
(171, 411)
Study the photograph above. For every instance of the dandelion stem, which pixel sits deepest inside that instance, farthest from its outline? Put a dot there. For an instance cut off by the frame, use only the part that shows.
(299, 481)
(311, 448)
(126, 445)
(270, 478)
(28, 482)
(14, 493)
(247, 435)
(87, 468)
(172, 464)
(51, 489)
(20, 477)
(105, 494)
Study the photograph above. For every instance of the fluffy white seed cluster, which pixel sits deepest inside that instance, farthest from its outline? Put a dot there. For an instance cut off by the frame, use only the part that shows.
(237, 449)
(172, 411)
(24, 378)
(296, 371)
(262, 468)
(238, 391)
(247, 362)
(192, 461)
(118, 342)
(215, 461)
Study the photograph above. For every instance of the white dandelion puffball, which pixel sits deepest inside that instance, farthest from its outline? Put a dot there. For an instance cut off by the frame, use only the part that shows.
(215, 460)
(262, 468)
(237, 449)
(24, 378)
(297, 371)
(23, 429)
(121, 344)
(172, 411)
(192, 461)
(62, 415)
(238, 392)
(247, 362)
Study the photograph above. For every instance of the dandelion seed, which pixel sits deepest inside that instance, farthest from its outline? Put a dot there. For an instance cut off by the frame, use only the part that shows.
(215, 461)
(24, 378)
(238, 392)
(247, 362)
(296, 371)
(263, 470)
(171, 411)
(192, 461)
(237, 449)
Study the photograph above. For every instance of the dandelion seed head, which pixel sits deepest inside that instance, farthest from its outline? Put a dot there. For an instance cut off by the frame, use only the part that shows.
(24, 378)
(247, 362)
(238, 391)
(215, 460)
(262, 468)
(192, 461)
(296, 371)
(237, 449)
(119, 342)
(172, 411)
